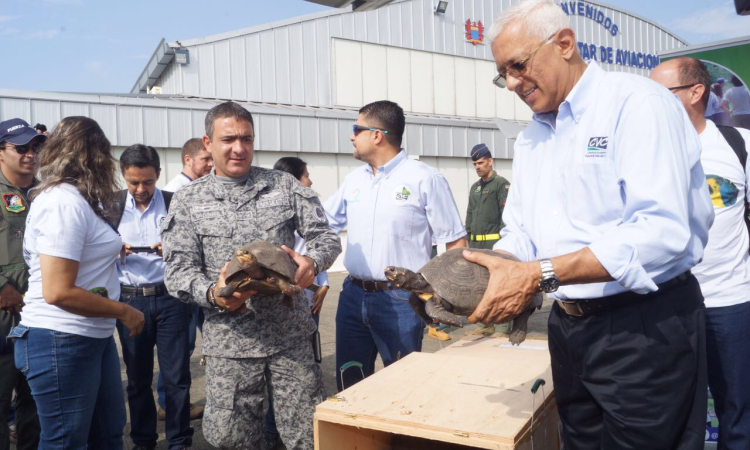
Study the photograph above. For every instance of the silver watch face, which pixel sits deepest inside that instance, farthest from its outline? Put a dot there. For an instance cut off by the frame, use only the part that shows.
(550, 284)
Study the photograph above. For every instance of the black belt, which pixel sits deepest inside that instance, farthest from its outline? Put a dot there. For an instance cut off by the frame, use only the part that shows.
(372, 285)
(144, 291)
(580, 308)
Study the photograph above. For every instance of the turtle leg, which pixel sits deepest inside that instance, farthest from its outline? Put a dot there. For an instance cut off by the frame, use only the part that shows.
(407, 280)
(520, 325)
(434, 308)
(229, 289)
(419, 307)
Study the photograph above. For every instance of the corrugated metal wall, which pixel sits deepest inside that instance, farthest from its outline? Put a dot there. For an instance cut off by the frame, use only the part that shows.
(293, 63)
(168, 123)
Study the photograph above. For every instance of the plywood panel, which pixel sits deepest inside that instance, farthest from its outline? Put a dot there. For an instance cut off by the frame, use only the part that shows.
(472, 393)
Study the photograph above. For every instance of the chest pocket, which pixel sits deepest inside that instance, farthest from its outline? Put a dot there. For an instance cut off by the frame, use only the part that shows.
(11, 236)
(216, 240)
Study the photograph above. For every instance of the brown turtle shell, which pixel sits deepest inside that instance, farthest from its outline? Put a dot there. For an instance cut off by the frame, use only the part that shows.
(269, 256)
(458, 281)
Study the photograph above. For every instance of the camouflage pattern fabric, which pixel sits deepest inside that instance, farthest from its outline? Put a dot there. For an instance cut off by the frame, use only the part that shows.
(235, 389)
(207, 221)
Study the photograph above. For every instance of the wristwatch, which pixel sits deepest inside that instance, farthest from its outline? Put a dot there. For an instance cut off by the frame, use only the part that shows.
(549, 281)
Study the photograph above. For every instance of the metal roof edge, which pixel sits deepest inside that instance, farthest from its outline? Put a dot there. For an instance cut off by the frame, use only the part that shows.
(156, 61)
(256, 28)
(707, 46)
(638, 16)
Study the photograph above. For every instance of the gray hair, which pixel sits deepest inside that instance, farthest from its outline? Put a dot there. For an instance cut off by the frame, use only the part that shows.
(541, 18)
(226, 109)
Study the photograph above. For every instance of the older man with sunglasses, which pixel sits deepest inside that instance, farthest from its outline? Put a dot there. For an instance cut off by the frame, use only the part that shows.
(609, 203)
(19, 146)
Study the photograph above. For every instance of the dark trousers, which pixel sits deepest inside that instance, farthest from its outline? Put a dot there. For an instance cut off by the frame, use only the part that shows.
(635, 377)
(166, 326)
(728, 349)
(27, 422)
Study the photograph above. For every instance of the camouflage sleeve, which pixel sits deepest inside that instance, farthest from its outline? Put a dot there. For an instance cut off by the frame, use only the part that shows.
(323, 245)
(184, 276)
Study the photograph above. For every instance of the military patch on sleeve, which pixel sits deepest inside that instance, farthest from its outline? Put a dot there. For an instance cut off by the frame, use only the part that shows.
(319, 212)
(14, 203)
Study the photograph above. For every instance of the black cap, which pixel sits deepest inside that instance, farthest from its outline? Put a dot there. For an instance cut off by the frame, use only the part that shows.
(17, 132)
(480, 151)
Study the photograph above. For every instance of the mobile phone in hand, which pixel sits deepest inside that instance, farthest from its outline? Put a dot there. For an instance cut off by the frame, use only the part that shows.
(142, 250)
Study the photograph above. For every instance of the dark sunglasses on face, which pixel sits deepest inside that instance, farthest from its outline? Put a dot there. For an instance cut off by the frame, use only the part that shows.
(357, 128)
(23, 149)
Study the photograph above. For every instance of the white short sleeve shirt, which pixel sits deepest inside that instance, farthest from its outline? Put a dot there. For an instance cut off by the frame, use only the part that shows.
(62, 224)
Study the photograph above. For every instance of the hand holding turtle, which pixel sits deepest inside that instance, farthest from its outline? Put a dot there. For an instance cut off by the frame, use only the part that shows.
(10, 300)
(132, 319)
(320, 295)
(305, 268)
(235, 302)
(511, 289)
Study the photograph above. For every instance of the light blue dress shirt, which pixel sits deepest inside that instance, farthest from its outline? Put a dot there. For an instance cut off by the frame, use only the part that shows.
(393, 216)
(142, 229)
(617, 170)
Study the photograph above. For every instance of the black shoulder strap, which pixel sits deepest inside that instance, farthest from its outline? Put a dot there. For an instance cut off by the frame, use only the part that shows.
(167, 198)
(738, 144)
(734, 139)
(119, 207)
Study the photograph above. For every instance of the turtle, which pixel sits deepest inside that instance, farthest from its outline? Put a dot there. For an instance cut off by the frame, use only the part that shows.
(449, 288)
(261, 267)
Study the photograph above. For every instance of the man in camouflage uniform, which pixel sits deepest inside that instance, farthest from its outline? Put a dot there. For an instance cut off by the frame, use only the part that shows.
(19, 145)
(268, 342)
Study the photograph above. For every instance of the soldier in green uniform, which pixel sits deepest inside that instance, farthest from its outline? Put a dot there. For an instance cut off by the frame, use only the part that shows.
(484, 217)
(19, 145)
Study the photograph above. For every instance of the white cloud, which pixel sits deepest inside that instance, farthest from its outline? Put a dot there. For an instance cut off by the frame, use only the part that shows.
(8, 18)
(9, 31)
(44, 34)
(63, 2)
(94, 68)
(718, 22)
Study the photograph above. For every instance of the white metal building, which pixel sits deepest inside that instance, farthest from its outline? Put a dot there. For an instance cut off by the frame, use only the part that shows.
(304, 79)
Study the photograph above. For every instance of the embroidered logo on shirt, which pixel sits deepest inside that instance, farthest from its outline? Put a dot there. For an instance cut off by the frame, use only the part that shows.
(597, 147)
(14, 203)
(724, 193)
(353, 196)
(402, 194)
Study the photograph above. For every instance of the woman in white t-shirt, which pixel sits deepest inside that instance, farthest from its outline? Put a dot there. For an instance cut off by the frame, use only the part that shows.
(64, 343)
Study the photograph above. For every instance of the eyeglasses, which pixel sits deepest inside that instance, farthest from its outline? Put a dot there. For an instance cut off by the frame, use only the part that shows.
(36, 147)
(684, 86)
(357, 128)
(517, 69)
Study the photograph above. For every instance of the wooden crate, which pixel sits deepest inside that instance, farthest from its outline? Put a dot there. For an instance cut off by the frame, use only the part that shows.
(469, 395)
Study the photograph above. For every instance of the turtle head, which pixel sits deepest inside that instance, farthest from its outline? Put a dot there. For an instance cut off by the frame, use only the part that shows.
(396, 275)
(245, 258)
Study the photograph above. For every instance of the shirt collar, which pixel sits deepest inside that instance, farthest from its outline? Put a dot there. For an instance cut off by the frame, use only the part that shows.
(387, 168)
(580, 97)
(186, 176)
(130, 201)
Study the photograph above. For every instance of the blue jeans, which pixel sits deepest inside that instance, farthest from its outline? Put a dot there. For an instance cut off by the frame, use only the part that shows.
(728, 355)
(196, 323)
(368, 323)
(75, 382)
(166, 326)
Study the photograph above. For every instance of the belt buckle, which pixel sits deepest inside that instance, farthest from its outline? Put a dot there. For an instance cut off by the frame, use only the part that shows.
(370, 286)
(149, 291)
(571, 308)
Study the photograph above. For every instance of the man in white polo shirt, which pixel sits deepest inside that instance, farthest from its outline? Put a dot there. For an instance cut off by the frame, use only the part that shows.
(724, 273)
(196, 162)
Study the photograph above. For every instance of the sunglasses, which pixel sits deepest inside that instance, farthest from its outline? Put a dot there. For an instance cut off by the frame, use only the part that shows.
(36, 147)
(357, 128)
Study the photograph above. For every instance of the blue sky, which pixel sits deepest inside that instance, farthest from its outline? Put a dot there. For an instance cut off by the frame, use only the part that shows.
(103, 45)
